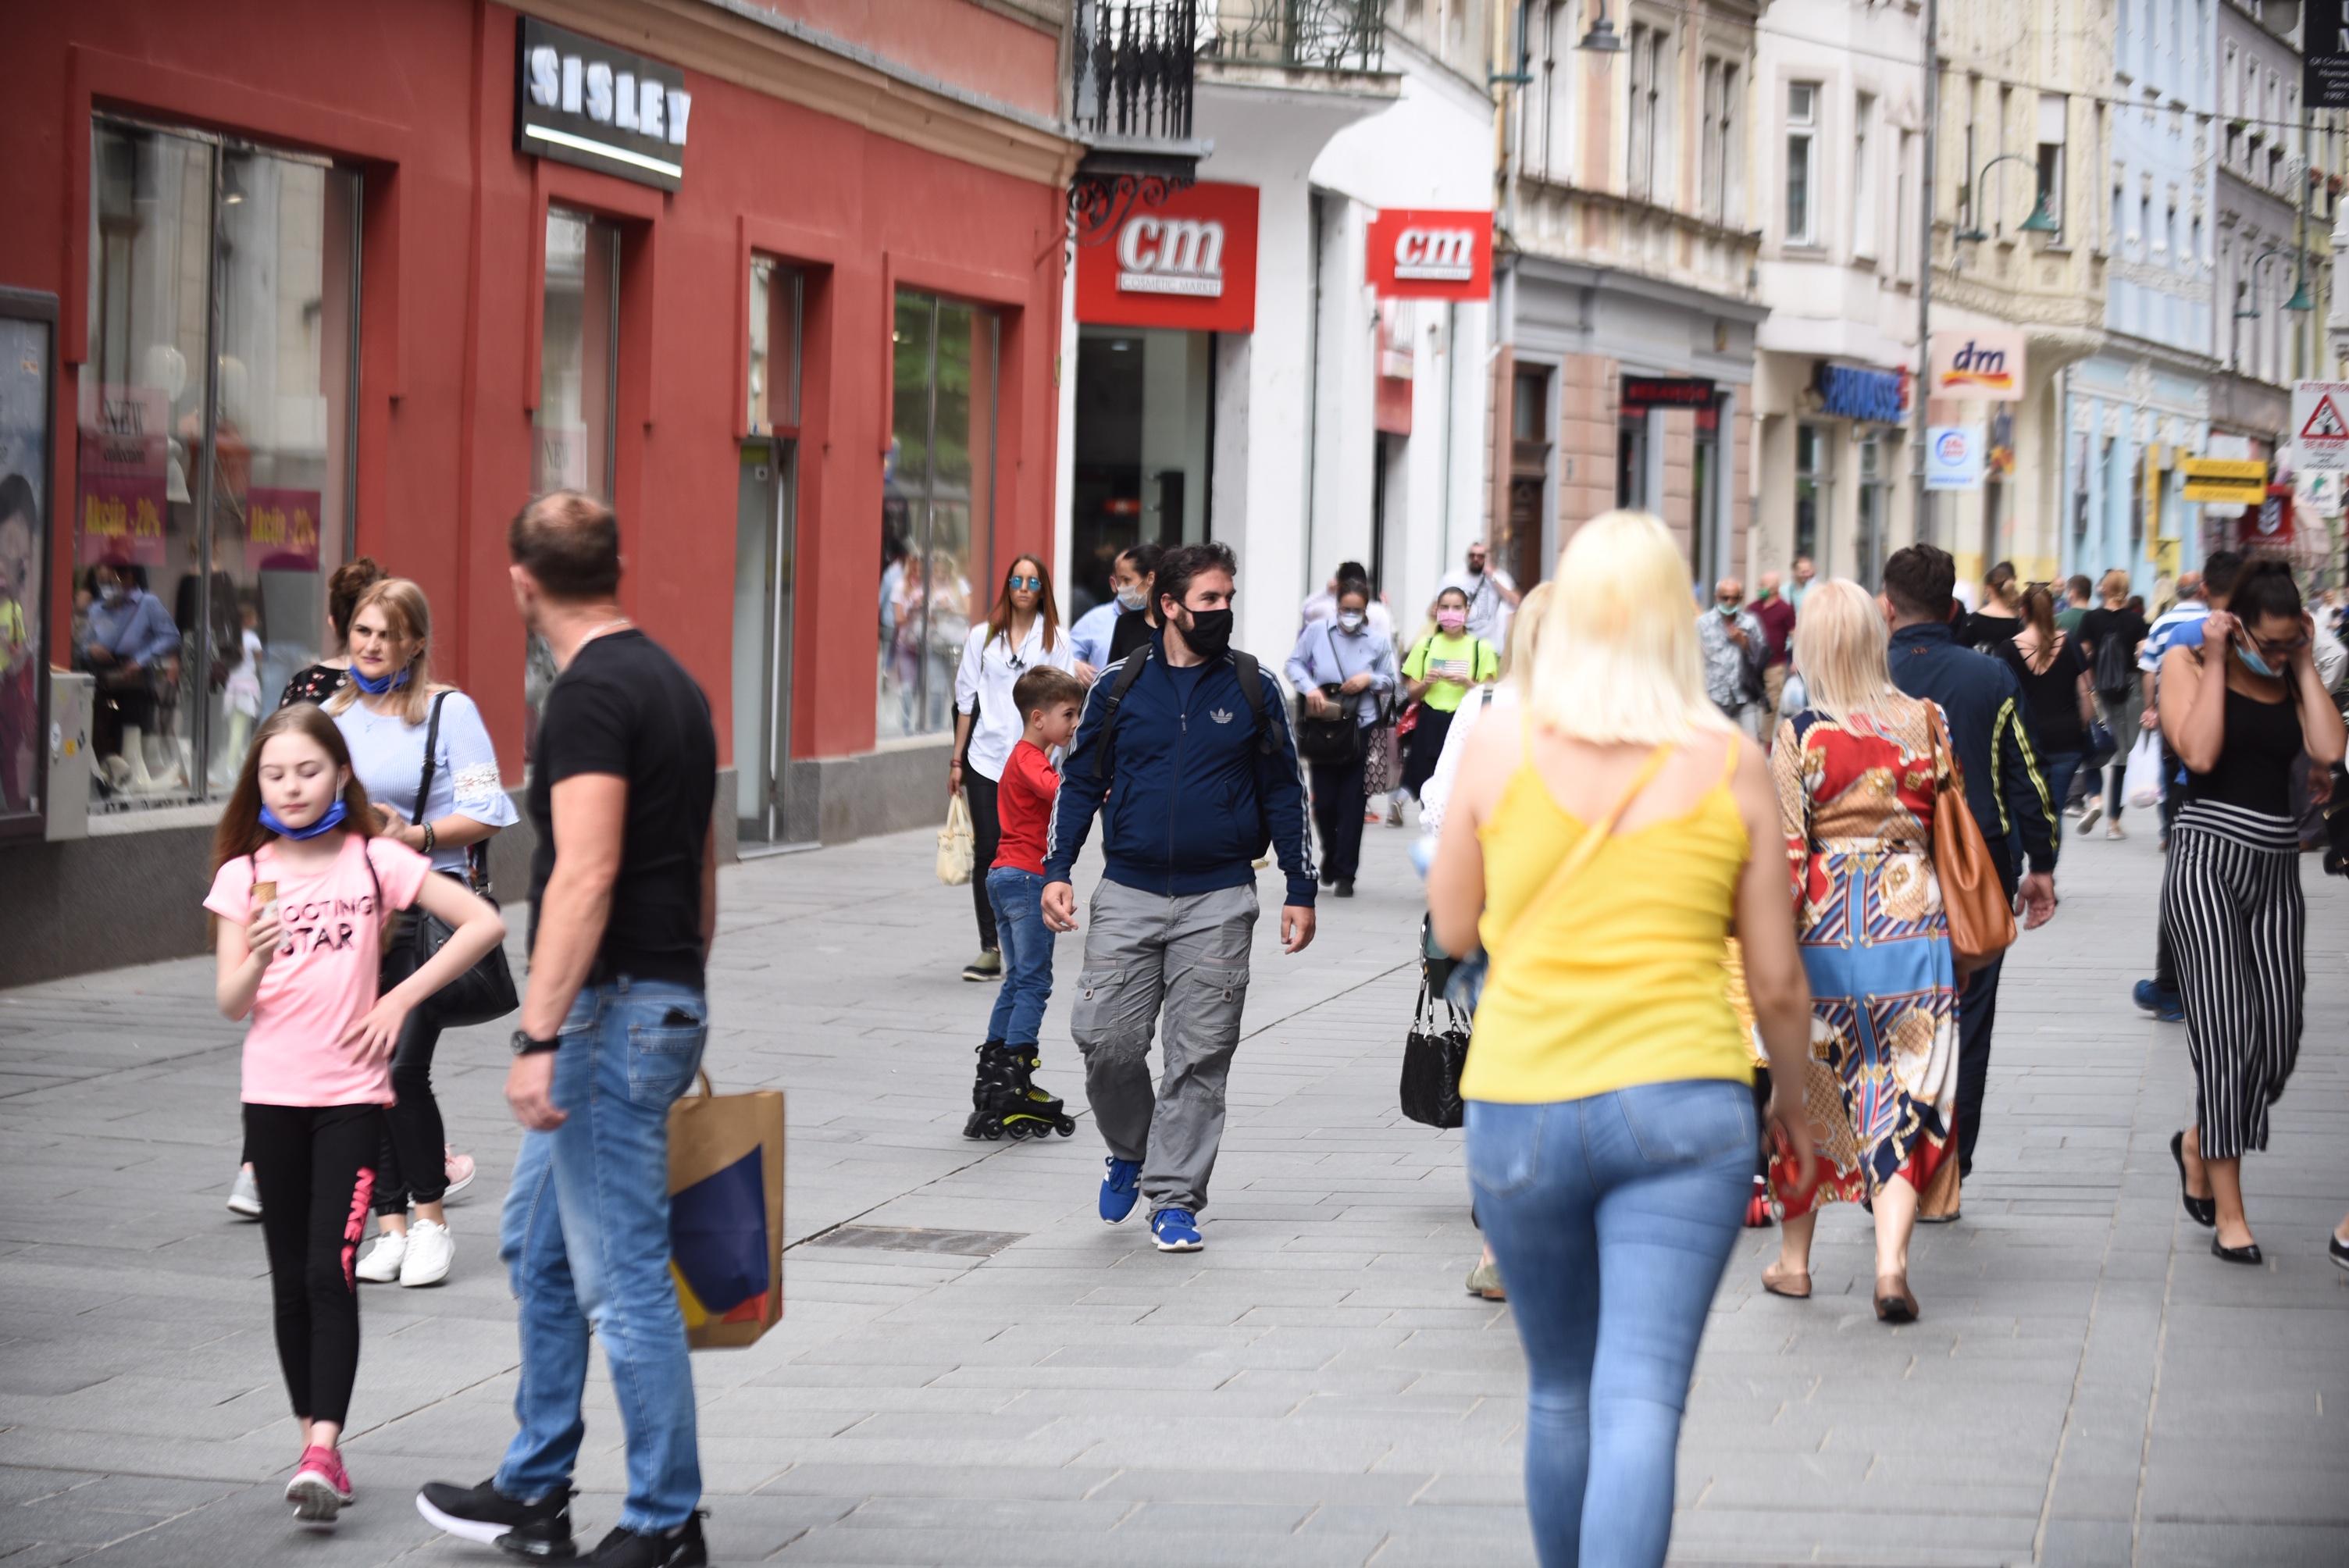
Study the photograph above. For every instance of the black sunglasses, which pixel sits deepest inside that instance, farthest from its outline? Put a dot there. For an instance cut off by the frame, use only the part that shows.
(1016, 581)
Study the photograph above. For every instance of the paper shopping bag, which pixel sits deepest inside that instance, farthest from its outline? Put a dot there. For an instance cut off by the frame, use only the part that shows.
(725, 1214)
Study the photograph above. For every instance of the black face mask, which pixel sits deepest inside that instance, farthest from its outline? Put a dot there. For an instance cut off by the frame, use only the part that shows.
(1209, 632)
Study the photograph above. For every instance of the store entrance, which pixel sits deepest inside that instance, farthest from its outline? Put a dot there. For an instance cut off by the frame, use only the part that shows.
(1145, 427)
(765, 563)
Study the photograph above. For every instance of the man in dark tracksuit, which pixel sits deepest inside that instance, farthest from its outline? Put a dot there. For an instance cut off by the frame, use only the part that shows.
(1990, 730)
(1190, 761)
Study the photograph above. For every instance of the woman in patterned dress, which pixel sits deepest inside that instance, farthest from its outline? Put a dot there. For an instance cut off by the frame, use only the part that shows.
(1860, 770)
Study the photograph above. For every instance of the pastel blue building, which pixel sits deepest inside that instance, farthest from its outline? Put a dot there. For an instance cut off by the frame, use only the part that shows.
(2144, 400)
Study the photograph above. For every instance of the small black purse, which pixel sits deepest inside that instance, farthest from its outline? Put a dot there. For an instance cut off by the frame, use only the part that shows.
(1433, 1061)
(484, 992)
(1333, 742)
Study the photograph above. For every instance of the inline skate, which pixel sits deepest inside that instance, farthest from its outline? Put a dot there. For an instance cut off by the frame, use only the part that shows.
(1005, 1098)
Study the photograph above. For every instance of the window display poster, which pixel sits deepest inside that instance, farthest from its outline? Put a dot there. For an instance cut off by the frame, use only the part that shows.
(124, 471)
(281, 529)
(25, 348)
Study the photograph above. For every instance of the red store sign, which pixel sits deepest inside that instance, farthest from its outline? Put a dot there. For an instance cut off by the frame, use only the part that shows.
(1416, 253)
(1189, 262)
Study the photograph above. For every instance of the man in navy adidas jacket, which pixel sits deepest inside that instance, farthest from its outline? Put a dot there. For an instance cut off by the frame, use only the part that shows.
(1187, 757)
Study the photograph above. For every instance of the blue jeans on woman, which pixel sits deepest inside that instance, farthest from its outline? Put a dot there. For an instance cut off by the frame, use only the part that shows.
(585, 1237)
(1611, 1218)
(1018, 898)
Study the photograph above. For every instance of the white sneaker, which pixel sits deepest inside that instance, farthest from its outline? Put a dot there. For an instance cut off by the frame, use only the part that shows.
(430, 1251)
(244, 1196)
(384, 1260)
(2089, 813)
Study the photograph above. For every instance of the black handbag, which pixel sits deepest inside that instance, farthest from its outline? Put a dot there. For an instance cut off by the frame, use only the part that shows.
(1432, 1060)
(1332, 741)
(484, 992)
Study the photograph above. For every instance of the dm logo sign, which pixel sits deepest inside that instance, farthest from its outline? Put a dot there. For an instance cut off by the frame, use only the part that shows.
(1985, 365)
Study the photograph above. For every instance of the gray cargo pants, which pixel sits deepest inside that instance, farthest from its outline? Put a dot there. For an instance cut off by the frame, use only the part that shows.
(1189, 956)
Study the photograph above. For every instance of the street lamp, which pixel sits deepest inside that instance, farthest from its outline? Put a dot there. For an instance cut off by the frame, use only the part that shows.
(2299, 300)
(1602, 39)
(2041, 222)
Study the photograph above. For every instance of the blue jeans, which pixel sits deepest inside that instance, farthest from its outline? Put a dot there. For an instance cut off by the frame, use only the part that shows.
(1611, 1218)
(585, 1237)
(1018, 898)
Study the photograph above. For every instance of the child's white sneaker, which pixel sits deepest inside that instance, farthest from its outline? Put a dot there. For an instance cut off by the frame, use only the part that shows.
(430, 1253)
(383, 1262)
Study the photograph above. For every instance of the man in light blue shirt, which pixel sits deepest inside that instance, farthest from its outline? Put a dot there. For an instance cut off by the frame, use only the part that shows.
(1347, 653)
(129, 634)
(1096, 636)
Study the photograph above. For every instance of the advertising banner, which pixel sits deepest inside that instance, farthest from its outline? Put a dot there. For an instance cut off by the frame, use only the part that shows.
(1419, 253)
(1981, 367)
(1188, 260)
(1953, 458)
(123, 475)
(281, 529)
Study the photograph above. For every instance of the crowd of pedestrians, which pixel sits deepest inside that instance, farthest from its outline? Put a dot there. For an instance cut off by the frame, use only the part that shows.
(1604, 810)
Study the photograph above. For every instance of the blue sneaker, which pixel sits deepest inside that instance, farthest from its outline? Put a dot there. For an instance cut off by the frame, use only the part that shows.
(2166, 1005)
(1176, 1231)
(1119, 1186)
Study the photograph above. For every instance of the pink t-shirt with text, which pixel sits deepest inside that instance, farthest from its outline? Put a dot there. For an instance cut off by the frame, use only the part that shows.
(324, 977)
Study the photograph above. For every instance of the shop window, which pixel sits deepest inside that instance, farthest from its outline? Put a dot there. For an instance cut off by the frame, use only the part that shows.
(571, 429)
(1874, 509)
(938, 517)
(28, 355)
(778, 301)
(1632, 460)
(214, 474)
(1814, 485)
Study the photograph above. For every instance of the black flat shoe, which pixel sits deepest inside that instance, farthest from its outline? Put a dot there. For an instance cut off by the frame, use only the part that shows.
(2250, 1254)
(2203, 1211)
(2339, 1249)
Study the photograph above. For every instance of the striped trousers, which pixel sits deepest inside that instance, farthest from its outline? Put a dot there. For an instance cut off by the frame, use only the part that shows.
(2231, 913)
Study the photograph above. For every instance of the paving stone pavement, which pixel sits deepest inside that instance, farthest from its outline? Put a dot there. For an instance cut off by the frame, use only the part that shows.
(2087, 1385)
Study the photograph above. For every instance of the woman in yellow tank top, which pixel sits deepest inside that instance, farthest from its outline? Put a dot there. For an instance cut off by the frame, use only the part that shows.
(1602, 853)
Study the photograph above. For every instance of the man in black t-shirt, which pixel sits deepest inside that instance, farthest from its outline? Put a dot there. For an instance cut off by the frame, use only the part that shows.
(623, 905)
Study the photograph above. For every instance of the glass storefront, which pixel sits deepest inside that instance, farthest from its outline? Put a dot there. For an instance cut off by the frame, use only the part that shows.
(937, 512)
(1814, 486)
(212, 489)
(1874, 509)
(573, 426)
(1145, 427)
(27, 369)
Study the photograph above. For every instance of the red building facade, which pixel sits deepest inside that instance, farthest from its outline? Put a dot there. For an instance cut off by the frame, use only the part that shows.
(784, 286)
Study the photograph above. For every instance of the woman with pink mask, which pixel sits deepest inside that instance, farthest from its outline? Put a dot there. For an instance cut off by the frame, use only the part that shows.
(1441, 670)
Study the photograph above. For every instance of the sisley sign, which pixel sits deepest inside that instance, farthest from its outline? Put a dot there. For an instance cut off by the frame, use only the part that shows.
(585, 102)
(1416, 253)
(1186, 260)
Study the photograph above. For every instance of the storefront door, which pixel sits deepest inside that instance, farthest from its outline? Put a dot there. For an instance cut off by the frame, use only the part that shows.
(765, 560)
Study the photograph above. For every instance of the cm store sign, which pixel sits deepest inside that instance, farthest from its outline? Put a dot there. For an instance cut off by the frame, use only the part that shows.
(1419, 253)
(1187, 261)
(584, 102)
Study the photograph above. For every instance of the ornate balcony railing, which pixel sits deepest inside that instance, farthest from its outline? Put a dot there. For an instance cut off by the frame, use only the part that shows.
(1318, 34)
(1130, 68)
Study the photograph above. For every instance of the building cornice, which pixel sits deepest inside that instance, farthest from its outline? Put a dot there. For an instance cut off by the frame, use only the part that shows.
(745, 43)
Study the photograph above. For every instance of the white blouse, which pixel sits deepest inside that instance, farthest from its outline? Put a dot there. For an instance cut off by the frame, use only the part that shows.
(991, 668)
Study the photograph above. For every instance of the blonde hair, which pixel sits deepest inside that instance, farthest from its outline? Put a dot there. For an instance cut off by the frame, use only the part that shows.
(1839, 647)
(1525, 636)
(411, 617)
(2114, 585)
(1618, 663)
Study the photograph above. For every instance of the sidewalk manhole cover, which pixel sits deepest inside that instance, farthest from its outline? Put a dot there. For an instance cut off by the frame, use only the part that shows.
(907, 1239)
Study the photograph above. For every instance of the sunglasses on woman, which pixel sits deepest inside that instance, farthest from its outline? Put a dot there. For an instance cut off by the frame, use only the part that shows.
(1016, 581)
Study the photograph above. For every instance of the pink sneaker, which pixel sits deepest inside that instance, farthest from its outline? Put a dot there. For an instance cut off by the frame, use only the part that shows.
(459, 1171)
(321, 1486)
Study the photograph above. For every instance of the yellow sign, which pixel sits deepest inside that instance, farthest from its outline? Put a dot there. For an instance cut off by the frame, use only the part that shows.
(2241, 470)
(2227, 492)
(2165, 557)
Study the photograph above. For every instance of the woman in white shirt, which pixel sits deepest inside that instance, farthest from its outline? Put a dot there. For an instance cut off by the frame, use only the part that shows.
(1021, 633)
(385, 712)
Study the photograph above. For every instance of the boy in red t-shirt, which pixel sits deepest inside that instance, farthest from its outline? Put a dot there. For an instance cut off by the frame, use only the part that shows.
(1005, 1100)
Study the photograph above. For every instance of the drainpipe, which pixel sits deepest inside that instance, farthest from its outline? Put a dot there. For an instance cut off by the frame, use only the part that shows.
(1920, 527)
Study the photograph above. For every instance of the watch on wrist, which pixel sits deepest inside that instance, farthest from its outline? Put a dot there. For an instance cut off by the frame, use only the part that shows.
(526, 1044)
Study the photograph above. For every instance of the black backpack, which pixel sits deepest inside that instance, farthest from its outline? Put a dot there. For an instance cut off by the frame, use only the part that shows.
(2115, 665)
(1244, 664)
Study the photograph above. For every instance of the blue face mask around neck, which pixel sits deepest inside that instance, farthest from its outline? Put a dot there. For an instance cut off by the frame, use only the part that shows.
(376, 686)
(331, 819)
(2253, 662)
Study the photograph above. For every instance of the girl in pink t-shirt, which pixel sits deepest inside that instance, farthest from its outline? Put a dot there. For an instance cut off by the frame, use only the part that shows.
(301, 892)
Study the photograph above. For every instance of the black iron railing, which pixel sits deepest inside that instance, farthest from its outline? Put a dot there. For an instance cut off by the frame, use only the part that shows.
(1320, 35)
(1130, 68)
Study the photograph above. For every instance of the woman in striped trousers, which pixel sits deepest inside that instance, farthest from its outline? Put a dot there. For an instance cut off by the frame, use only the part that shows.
(2241, 713)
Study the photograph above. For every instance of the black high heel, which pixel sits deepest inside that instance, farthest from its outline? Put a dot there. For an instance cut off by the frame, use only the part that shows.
(2203, 1211)
(2250, 1254)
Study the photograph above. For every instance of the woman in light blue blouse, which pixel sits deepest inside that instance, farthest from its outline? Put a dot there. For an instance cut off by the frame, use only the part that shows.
(385, 712)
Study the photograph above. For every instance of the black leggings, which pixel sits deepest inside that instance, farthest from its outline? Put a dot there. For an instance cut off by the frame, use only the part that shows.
(1424, 747)
(986, 838)
(316, 1171)
(415, 1147)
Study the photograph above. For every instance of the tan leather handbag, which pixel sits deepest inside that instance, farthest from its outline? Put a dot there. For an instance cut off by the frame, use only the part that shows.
(1981, 921)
